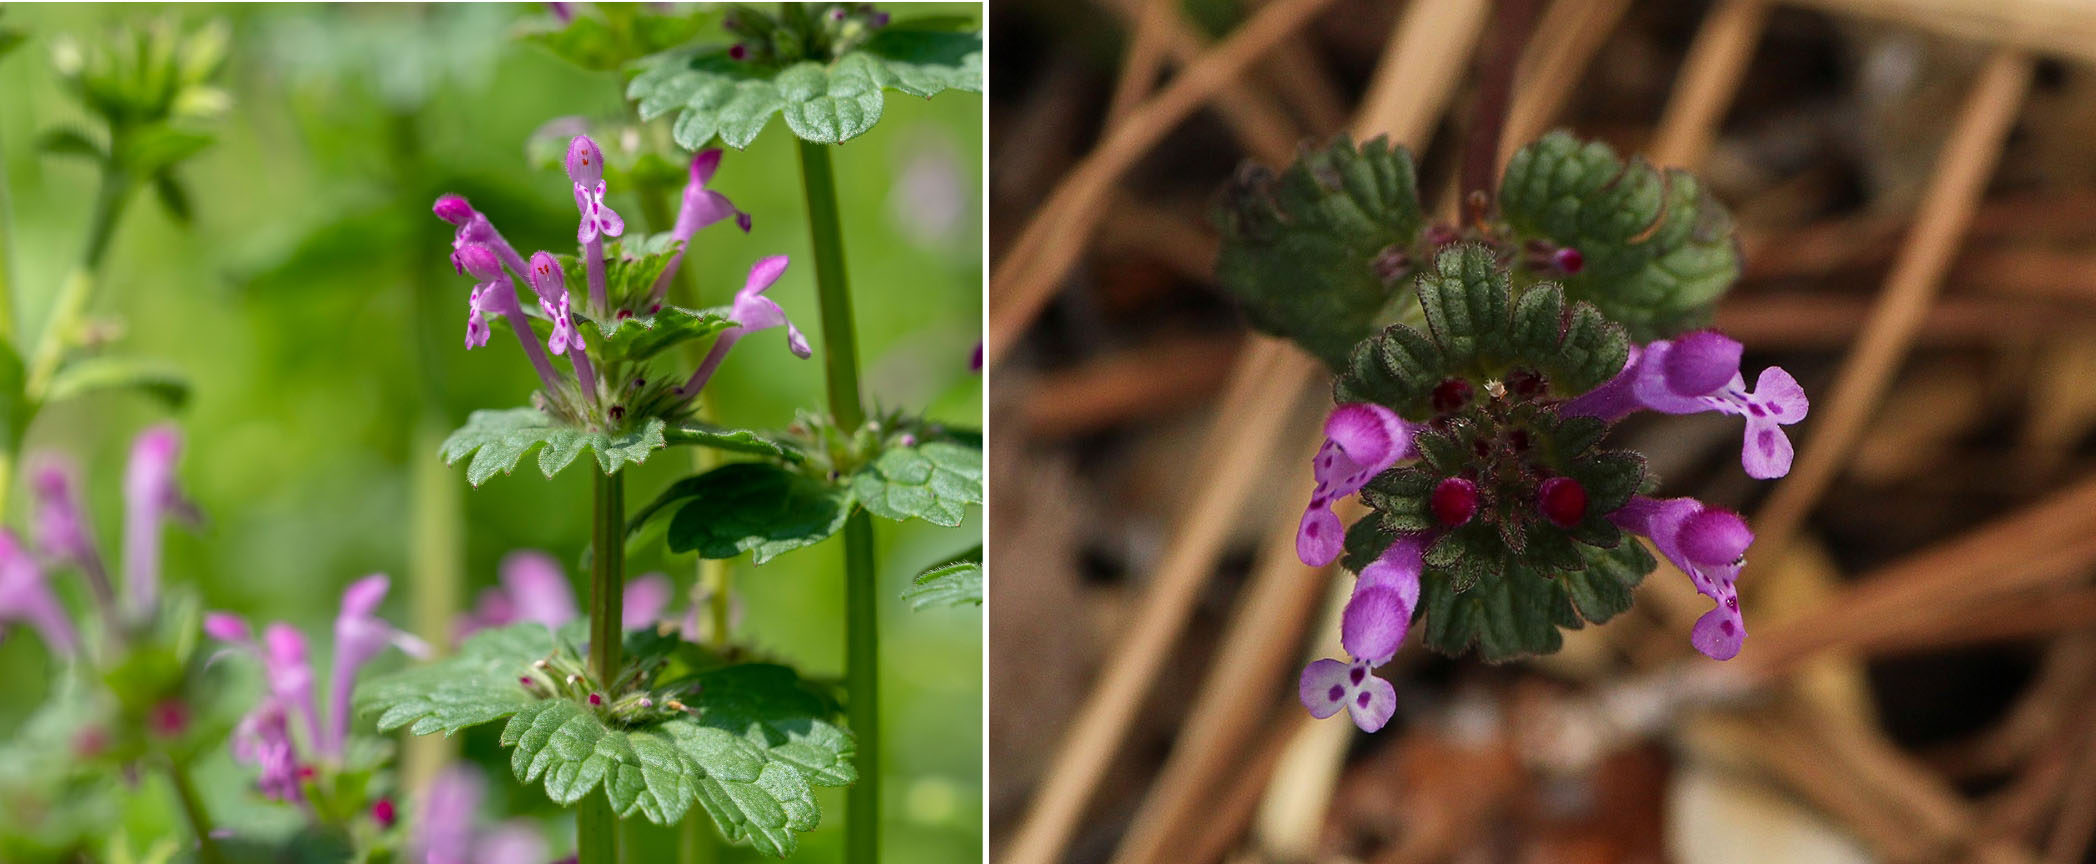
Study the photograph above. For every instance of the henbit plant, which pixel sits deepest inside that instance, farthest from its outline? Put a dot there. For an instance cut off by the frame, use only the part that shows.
(1497, 515)
(657, 723)
(150, 89)
(129, 694)
(823, 67)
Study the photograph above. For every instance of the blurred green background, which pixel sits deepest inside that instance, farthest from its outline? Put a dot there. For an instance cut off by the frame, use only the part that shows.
(312, 307)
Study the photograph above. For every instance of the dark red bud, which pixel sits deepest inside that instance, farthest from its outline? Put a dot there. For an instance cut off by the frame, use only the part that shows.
(1563, 501)
(1568, 260)
(596, 700)
(1523, 382)
(168, 719)
(382, 812)
(1451, 395)
(1454, 501)
(738, 51)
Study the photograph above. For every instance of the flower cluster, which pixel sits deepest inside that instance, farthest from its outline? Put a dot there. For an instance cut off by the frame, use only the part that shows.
(605, 388)
(1475, 444)
(813, 31)
(60, 531)
(267, 736)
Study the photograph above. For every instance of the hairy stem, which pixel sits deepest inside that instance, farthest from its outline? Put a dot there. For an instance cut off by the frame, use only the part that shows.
(193, 810)
(596, 827)
(862, 836)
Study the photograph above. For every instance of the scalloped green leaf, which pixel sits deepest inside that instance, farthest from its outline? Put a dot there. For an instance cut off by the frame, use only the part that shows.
(752, 507)
(934, 481)
(476, 685)
(497, 439)
(733, 441)
(826, 103)
(1311, 253)
(955, 582)
(754, 743)
(1659, 249)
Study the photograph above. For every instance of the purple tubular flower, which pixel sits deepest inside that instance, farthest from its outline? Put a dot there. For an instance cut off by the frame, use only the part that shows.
(496, 293)
(586, 171)
(1700, 372)
(701, 207)
(290, 677)
(1380, 611)
(263, 739)
(550, 284)
(359, 636)
(26, 597)
(1371, 629)
(61, 533)
(1361, 441)
(563, 11)
(474, 228)
(150, 496)
(477, 329)
(1710, 545)
(444, 832)
(752, 312)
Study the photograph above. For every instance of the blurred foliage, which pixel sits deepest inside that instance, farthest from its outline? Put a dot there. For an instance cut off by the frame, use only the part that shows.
(311, 307)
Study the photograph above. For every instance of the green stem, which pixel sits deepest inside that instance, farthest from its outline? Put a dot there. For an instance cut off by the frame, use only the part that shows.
(78, 288)
(7, 294)
(596, 827)
(862, 836)
(193, 809)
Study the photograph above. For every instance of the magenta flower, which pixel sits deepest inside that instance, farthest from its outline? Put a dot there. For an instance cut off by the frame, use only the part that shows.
(26, 597)
(473, 228)
(1361, 441)
(266, 740)
(150, 496)
(586, 171)
(263, 739)
(1700, 372)
(494, 292)
(701, 207)
(359, 636)
(1710, 545)
(1371, 629)
(752, 312)
(61, 533)
(564, 335)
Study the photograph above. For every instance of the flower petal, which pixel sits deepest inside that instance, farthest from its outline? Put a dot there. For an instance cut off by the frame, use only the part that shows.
(1372, 704)
(1374, 623)
(1767, 452)
(1324, 687)
(1700, 362)
(1720, 633)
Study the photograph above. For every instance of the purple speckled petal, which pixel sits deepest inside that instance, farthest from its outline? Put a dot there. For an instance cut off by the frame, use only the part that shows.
(1373, 704)
(1324, 687)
